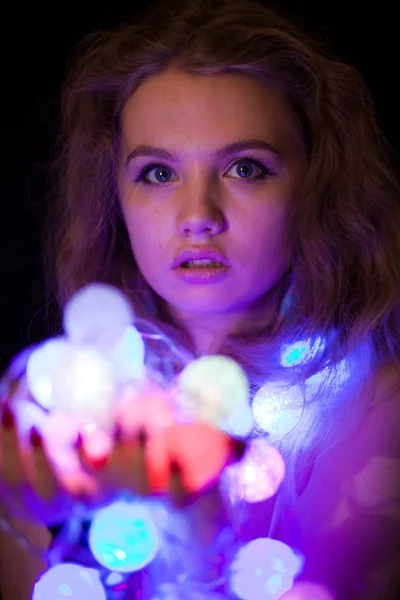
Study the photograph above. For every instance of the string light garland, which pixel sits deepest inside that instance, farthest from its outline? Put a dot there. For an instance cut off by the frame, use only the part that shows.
(102, 369)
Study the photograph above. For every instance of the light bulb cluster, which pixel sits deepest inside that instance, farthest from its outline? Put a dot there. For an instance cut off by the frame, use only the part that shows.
(97, 373)
(277, 408)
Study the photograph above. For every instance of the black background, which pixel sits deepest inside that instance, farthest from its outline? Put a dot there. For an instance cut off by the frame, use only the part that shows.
(36, 42)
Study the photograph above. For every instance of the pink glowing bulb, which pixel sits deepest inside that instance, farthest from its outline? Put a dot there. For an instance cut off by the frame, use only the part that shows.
(258, 475)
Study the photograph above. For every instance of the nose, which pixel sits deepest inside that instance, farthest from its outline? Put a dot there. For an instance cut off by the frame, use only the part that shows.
(200, 214)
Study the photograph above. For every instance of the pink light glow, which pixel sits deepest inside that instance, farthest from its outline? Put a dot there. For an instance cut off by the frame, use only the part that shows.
(258, 475)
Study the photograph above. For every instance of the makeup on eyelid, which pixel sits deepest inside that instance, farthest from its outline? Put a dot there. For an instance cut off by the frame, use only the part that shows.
(265, 171)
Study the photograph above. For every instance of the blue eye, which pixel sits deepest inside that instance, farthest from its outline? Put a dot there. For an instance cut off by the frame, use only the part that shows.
(264, 171)
(159, 169)
(251, 164)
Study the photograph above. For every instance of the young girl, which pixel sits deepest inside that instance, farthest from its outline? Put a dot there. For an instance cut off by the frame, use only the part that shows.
(216, 131)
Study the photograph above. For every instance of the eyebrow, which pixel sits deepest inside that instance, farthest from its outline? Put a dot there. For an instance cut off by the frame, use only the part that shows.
(146, 150)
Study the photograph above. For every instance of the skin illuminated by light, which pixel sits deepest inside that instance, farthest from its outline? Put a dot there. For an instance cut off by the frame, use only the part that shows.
(205, 200)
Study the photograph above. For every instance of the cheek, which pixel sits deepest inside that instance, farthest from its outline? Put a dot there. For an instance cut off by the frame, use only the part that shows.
(266, 231)
(145, 234)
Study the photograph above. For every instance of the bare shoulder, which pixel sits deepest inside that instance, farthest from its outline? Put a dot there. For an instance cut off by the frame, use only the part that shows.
(364, 466)
(349, 512)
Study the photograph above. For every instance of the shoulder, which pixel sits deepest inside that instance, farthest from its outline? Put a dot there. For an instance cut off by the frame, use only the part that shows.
(369, 455)
(349, 512)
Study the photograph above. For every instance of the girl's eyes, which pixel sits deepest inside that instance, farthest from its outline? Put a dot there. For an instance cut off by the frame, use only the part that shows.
(251, 164)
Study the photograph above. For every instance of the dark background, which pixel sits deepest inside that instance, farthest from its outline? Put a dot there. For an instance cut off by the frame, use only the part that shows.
(35, 45)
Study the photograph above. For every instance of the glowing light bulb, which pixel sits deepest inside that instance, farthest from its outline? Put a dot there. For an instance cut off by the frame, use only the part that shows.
(114, 579)
(338, 376)
(277, 409)
(85, 386)
(258, 475)
(301, 351)
(264, 569)
(97, 314)
(240, 422)
(128, 355)
(42, 366)
(69, 581)
(212, 387)
(123, 538)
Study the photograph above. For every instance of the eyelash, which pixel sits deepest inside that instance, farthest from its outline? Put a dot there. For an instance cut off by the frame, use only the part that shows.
(265, 171)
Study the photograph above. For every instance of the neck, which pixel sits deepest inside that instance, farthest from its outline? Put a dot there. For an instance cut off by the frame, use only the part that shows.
(209, 331)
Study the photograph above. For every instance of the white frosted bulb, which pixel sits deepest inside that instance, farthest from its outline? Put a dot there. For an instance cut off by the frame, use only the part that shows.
(128, 355)
(212, 387)
(122, 537)
(42, 365)
(69, 580)
(337, 377)
(84, 386)
(98, 315)
(240, 422)
(264, 569)
(277, 409)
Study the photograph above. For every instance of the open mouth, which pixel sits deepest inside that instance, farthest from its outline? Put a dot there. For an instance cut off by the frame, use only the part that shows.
(201, 264)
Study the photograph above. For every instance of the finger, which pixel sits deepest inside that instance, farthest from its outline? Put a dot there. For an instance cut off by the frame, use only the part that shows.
(125, 466)
(44, 479)
(140, 471)
(12, 466)
(71, 476)
(90, 464)
(128, 462)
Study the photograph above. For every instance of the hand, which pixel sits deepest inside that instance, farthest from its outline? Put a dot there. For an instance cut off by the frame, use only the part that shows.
(30, 487)
(151, 454)
(43, 474)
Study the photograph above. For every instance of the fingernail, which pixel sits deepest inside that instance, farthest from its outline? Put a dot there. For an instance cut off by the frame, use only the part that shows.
(35, 438)
(99, 463)
(174, 467)
(7, 417)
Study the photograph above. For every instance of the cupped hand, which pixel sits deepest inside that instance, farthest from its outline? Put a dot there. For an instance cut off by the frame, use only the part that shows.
(152, 454)
(46, 468)
(30, 486)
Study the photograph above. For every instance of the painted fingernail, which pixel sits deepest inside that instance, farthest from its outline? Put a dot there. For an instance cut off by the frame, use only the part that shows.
(36, 438)
(175, 467)
(100, 462)
(7, 417)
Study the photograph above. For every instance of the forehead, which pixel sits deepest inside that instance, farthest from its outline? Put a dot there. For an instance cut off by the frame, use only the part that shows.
(176, 108)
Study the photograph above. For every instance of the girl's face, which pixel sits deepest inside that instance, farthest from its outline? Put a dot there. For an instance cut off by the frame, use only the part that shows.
(181, 187)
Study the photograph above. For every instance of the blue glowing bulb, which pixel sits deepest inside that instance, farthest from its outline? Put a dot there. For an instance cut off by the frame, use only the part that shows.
(123, 538)
(301, 352)
(69, 581)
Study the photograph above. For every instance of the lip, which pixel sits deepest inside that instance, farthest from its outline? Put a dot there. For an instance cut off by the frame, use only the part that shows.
(198, 253)
(202, 274)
